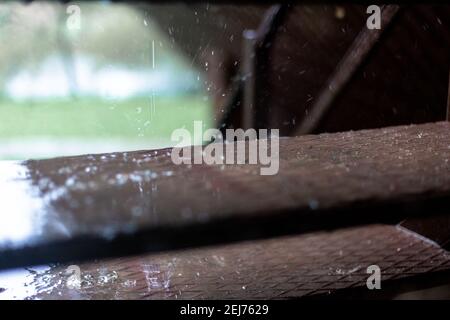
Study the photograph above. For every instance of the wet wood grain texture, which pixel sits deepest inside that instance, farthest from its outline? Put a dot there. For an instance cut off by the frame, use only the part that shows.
(127, 203)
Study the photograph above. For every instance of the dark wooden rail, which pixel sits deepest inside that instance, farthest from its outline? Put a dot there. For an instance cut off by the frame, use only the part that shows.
(117, 204)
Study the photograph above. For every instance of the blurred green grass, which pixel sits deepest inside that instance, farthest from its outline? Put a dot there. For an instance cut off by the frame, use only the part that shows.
(90, 117)
(51, 128)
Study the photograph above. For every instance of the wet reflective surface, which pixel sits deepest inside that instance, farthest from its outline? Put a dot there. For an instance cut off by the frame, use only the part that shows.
(21, 206)
(318, 264)
(92, 199)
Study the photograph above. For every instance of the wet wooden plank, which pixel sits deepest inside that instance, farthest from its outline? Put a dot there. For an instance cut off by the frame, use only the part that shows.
(89, 206)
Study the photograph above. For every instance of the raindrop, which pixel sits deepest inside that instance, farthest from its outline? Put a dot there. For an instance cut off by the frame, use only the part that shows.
(340, 12)
(70, 182)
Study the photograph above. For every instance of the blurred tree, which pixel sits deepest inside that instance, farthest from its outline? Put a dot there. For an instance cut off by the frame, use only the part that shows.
(115, 34)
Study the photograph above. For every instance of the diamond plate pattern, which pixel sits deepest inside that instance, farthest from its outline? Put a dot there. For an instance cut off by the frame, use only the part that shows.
(282, 268)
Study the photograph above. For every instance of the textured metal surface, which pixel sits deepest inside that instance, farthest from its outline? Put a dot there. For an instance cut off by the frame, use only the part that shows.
(291, 267)
(83, 203)
(435, 228)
